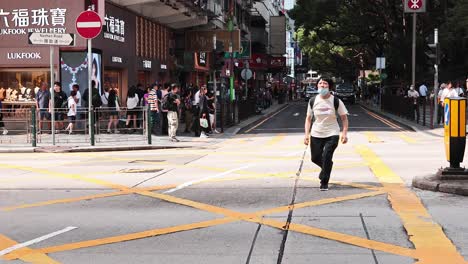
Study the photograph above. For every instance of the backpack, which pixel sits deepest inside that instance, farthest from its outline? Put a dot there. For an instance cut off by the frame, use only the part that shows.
(336, 103)
(165, 102)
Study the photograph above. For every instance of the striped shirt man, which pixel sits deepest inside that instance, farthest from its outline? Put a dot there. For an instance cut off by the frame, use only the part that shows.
(153, 100)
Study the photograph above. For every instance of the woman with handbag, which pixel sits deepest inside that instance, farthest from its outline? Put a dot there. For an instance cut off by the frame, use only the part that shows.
(204, 113)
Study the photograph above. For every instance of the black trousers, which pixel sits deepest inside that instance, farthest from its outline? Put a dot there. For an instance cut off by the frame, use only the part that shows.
(164, 124)
(322, 150)
(440, 113)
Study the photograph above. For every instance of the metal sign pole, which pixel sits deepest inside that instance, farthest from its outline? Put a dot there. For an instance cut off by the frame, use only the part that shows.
(215, 88)
(436, 80)
(413, 69)
(90, 93)
(52, 105)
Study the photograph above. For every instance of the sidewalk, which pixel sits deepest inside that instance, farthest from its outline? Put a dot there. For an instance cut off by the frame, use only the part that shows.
(124, 142)
(436, 183)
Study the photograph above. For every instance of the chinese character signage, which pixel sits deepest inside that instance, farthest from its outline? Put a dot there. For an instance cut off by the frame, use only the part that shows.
(21, 21)
(19, 18)
(114, 28)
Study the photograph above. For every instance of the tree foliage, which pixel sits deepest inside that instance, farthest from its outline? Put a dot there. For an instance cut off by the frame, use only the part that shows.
(345, 36)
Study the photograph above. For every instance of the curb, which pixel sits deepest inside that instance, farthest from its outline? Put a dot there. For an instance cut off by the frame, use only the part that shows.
(103, 149)
(434, 184)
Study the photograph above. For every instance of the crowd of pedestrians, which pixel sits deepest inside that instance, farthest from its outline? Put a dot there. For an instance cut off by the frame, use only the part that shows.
(416, 103)
(166, 104)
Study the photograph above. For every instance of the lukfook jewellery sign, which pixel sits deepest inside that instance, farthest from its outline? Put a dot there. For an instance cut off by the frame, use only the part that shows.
(114, 28)
(22, 21)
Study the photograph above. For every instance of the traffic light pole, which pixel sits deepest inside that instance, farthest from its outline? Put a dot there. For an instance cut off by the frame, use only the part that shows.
(436, 78)
(413, 59)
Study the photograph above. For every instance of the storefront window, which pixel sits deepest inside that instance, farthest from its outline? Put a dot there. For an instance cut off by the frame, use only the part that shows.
(113, 80)
(144, 78)
(21, 85)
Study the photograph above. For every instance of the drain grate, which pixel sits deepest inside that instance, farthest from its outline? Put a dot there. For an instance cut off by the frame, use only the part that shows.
(140, 170)
(146, 161)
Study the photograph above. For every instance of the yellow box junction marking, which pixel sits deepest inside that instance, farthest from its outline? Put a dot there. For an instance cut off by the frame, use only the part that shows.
(392, 183)
(430, 241)
(252, 217)
(25, 254)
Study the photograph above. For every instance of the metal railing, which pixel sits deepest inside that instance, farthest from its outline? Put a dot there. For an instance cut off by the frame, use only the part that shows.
(15, 125)
(31, 126)
(422, 112)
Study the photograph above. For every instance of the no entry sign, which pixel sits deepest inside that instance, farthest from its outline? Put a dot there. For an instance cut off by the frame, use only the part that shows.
(415, 6)
(88, 24)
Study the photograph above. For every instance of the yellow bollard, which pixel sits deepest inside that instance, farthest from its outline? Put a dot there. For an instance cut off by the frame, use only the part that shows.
(455, 130)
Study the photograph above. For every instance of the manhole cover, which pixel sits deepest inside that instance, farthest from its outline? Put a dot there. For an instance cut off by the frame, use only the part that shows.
(146, 161)
(139, 170)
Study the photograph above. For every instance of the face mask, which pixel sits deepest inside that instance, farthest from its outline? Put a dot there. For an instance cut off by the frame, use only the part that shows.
(323, 91)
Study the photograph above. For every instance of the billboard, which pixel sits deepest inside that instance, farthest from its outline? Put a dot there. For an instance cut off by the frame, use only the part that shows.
(74, 70)
(197, 41)
(278, 35)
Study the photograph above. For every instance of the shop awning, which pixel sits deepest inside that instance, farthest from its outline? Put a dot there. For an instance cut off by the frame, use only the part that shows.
(171, 13)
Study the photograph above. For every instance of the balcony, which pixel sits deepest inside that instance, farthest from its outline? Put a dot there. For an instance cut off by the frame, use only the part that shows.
(176, 14)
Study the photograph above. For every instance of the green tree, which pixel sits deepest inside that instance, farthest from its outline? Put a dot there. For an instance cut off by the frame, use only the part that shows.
(344, 36)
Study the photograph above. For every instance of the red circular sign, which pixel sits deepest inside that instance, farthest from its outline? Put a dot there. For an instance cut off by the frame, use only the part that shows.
(415, 4)
(88, 24)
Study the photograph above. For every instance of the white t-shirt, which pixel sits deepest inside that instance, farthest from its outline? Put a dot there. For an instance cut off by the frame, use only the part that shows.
(325, 123)
(104, 99)
(196, 98)
(78, 97)
(413, 94)
(448, 93)
(423, 90)
(132, 102)
(71, 107)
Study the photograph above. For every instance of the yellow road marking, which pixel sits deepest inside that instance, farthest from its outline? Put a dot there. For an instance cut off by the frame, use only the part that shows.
(407, 138)
(319, 202)
(25, 254)
(62, 201)
(372, 137)
(383, 120)
(239, 216)
(430, 241)
(66, 176)
(83, 198)
(270, 117)
(275, 140)
(210, 223)
(344, 238)
(133, 236)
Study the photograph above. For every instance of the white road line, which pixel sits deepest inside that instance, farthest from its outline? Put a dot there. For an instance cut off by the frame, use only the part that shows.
(36, 240)
(187, 184)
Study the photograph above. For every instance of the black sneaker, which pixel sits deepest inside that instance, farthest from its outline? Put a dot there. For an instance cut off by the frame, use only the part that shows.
(323, 187)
